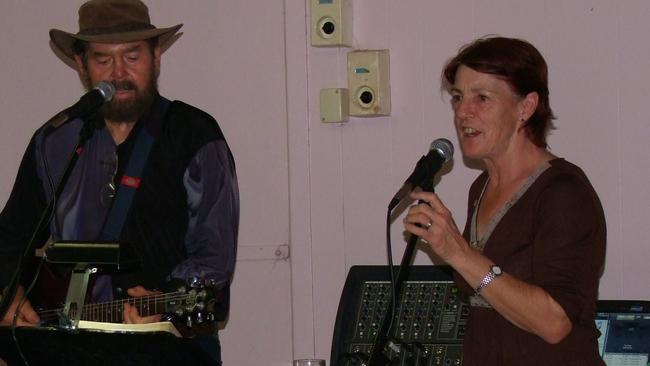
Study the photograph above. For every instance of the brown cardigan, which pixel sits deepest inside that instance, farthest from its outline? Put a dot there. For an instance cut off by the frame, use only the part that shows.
(553, 237)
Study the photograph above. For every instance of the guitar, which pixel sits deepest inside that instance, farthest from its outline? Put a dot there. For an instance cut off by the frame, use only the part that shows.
(194, 303)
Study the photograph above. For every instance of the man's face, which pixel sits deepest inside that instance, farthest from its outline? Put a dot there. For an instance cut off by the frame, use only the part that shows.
(132, 67)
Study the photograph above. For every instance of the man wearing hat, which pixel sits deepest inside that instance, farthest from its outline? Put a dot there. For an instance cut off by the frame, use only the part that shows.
(183, 216)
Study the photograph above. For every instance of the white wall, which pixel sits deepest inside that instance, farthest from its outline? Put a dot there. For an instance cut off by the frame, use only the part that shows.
(597, 54)
(323, 188)
(230, 61)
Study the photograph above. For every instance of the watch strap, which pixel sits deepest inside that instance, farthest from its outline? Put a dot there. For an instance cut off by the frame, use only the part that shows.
(491, 275)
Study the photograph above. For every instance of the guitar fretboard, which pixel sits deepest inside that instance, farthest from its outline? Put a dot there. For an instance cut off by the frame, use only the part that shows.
(111, 311)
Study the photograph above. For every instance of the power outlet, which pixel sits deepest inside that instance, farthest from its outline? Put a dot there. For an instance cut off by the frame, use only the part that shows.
(368, 83)
(334, 105)
(331, 23)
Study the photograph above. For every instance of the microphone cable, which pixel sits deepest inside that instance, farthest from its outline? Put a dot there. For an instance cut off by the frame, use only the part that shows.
(52, 215)
(444, 150)
(393, 284)
(14, 320)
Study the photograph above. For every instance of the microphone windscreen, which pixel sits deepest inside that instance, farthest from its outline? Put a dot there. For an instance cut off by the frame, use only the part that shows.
(107, 89)
(444, 147)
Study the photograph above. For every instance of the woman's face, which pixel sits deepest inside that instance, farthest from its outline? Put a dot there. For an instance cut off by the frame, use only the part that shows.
(487, 114)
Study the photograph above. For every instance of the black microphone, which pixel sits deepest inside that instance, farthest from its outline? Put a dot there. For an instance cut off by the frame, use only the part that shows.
(88, 103)
(441, 151)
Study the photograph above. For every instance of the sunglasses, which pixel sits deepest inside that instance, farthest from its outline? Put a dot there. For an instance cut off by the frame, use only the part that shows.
(109, 167)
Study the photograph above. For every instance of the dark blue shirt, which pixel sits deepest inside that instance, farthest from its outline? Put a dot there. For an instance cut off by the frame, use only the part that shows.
(184, 218)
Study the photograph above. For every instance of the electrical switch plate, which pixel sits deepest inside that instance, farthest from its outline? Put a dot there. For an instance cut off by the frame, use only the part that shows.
(334, 105)
(368, 83)
(331, 23)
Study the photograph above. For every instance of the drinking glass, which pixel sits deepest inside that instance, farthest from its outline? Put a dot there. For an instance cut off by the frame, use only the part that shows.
(308, 362)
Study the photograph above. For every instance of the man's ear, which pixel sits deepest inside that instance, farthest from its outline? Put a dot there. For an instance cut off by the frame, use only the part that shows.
(81, 69)
(156, 59)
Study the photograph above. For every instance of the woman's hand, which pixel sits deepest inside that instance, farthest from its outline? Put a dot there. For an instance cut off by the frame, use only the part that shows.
(527, 306)
(432, 222)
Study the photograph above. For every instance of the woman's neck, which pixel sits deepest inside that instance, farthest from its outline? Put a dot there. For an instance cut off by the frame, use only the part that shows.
(517, 166)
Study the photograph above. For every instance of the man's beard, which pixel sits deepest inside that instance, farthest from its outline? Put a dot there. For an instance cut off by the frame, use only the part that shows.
(127, 110)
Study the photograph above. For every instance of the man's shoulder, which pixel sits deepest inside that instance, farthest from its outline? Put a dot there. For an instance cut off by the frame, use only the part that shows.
(190, 111)
(185, 119)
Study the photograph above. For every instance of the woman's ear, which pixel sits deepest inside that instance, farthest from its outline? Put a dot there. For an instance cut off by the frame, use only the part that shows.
(528, 106)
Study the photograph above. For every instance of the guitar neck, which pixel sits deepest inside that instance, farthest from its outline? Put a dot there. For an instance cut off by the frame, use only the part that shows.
(111, 311)
(195, 303)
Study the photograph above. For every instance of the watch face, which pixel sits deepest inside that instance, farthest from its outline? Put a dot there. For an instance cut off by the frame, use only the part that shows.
(496, 270)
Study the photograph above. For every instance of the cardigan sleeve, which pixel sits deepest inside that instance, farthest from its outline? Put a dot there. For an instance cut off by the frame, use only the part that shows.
(569, 243)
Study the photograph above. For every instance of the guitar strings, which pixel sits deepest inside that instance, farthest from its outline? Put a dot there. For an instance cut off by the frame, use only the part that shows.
(117, 305)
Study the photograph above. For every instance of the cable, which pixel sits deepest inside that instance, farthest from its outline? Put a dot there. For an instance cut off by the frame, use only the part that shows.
(17, 312)
(17, 274)
(392, 273)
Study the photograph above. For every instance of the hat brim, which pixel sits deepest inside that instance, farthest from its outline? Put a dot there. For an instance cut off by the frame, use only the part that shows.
(64, 41)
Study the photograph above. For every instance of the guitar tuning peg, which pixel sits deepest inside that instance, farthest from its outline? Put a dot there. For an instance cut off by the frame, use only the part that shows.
(195, 282)
(188, 321)
(198, 317)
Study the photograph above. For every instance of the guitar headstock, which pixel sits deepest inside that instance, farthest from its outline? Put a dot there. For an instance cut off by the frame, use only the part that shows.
(193, 303)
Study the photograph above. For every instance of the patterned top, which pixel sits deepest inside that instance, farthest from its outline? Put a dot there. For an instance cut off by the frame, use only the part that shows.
(480, 244)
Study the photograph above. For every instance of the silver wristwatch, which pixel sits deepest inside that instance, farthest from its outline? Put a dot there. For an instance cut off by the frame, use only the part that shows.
(495, 271)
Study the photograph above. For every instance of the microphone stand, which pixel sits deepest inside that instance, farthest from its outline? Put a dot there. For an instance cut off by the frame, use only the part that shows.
(377, 357)
(10, 291)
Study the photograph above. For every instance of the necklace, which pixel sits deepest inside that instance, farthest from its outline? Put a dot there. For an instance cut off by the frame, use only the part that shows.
(479, 243)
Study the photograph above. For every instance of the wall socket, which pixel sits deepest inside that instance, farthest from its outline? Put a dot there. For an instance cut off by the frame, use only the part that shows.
(334, 105)
(331, 23)
(369, 83)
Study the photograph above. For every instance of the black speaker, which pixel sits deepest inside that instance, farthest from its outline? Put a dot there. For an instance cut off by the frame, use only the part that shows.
(50, 346)
(428, 322)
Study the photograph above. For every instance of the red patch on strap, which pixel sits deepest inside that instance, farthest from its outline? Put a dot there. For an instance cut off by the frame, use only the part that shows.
(132, 182)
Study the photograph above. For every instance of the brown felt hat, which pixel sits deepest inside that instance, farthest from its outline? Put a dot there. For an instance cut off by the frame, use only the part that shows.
(112, 21)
